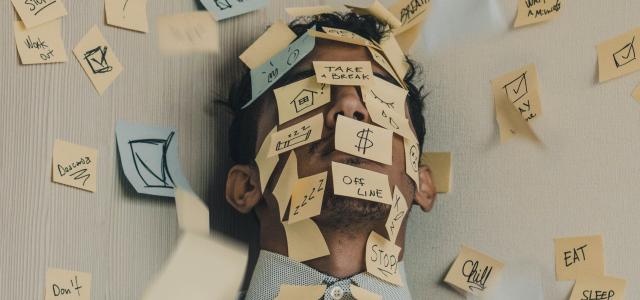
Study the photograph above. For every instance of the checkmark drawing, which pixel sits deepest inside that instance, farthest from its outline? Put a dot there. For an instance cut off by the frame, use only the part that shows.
(517, 88)
(625, 55)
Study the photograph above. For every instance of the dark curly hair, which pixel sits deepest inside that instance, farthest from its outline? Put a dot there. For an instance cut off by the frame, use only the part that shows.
(242, 132)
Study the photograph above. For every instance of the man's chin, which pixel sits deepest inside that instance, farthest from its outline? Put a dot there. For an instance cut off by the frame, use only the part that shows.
(346, 213)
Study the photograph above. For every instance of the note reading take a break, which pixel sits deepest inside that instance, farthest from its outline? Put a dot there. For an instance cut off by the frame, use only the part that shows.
(277, 37)
(301, 97)
(440, 165)
(286, 183)
(578, 256)
(128, 14)
(617, 56)
(65, 284)
(300, 292)
(300, 134)
(266, 163)
(224, 9)
(305, 241)
(382, 258)
(192, 212)
(306, 198)
(40, 45)
(36, 12)
(536, 11)
(474, 272)
(97, 59)
(411, 13)
(192, 32)
(412, 160)
(344, 72)
(360, 183)
(598, 288)
(363, 140)
(75, 165)
(399, 210)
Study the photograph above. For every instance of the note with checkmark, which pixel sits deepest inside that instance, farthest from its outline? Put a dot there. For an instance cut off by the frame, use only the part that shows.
(617, 56)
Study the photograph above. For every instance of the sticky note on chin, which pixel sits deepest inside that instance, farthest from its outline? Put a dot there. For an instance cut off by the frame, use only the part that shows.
(598, 288)
(382, 258)
(474, 272)
(360, 183)
(578, 256)
(344, 72)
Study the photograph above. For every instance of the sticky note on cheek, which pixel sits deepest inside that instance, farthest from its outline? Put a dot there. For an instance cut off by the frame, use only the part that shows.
(265, 163)
(397, 214)
(363, 140)
(286, 183)
(75, 165)
(40, 45)
(306, 198)
(36, 12)
(300, 134)
(300, 98)
(382, 258)
(343, 72)
(412, 160)
(64, 284)
(618, 56)
(577, 256)
(598, 288)
(360, 183)
(98, 59)
(474, 272)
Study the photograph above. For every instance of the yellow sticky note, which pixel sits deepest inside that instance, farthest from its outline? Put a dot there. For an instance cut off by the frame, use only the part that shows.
(379, 11)
(362, 294)
(531, 12)
(598, 288)
(578, 256)
(40, 45)
(128, 14)
(343, 33)
(408, 37)
(399, 210)
(65, 284)
(382, 258)
(339, 35)
(387, 94)
(193, 32)
(36, 12)
(265, 163)
(412, 160)
(386, 117)
(410, 13)
(360, 183)
(392, 50)
(300, 292)
(300, 98)
(474, 272)
(192, 212)
(286, 182)
(75, 165)
(272, 41)
(440, 165)
(300, 134)
(305, 241)
(343, 72)
(382, 61)
(97, 59)
(617, 56)
(363, 140)
(309, 10)
(306, 198)
(636, 93)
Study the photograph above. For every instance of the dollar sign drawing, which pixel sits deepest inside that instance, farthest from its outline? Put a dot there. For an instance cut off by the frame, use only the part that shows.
(364, 143)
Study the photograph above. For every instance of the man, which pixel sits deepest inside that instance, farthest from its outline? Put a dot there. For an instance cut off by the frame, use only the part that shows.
(346, 222)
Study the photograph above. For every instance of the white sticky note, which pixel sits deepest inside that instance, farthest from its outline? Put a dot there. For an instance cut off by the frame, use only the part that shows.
(193, 213)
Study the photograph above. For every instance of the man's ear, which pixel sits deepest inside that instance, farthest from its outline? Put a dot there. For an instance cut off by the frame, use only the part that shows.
(243, 187)
(426, 192)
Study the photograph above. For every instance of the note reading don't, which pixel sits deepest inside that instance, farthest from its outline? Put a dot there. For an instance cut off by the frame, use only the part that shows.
(344, 72)
(74, 165)
(474, 272)
(64, 284)
(360, 183)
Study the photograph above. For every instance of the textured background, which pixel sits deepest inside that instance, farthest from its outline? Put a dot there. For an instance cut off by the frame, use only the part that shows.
(507, 200)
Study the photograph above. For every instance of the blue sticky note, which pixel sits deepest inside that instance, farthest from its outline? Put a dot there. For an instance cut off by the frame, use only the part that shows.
(223, 9)
(264, 76)
(149, 158)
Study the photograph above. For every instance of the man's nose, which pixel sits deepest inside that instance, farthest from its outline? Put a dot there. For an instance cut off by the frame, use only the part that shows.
(346, 101)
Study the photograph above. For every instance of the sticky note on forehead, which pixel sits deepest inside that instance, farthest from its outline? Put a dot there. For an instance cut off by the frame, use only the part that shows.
(474, 272)
(344, 72)
(379, 11)
(40, 45)
(36, 12)
(382, 259)
(342, 36)
(98, 59)
(75, 165)
(598, 288)
(272, 41)
(577, 256)
(360, 183)
(618, 56)
(363, 140)
(300, 134)
(65, 284)
(531, 12)
(301, 97)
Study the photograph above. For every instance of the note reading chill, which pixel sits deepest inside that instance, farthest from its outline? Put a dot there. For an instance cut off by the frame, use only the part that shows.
(192, 32)
(286, 183)
(75, 165)
(617, 56)
(536, 11)
(382, 258)
(223, 9)
(97, 59)
(40, 45)
(36, 12)
(344, 72)
(300, 98)
(65, 284)
(363, 140)
(305, 240)
(577, 256)
(360, 183)
(306, 198)
(300, 134)
(598, 288)
(440, 165)
(128, 14)
(474, 272)
(399, 210)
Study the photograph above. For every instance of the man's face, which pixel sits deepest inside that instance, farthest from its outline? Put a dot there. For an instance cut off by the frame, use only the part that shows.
(316, 157)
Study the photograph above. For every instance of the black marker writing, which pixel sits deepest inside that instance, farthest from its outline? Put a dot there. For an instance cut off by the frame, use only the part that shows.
(476, 278)
(573, 256)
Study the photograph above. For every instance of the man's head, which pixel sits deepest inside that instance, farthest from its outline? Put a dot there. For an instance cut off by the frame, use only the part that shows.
(251, 126)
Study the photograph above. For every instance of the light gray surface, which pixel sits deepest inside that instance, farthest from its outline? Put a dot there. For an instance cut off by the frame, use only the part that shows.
(507, 200)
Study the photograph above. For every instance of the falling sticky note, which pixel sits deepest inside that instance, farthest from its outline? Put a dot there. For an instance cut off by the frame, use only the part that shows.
(300, 292)
(474, 272)
(65, 284)
(399, 209)
(411, 13)
(360, 183)
(363, 140)
(97, 59)
(412, 160)
(598, 288)
(343, 72)
(299, 134)
(224, 9)
(286, 183)
(386, 117)
(36, 12)
(192, 32)
(382, 258)
(193, 213)
(265, 163)
(301, 97)
(128, 14)
(342, 36)
(200, 268)
(305, 241)
(272, 41)
(308, 10)
(40, 45)
(75, 165)
(535, 11)
(617, 56)
(306, 198)
(387, 94)
(149, 158)
(379, 11)
(362, 294)
(440, 165)
(264, 76)
(392, 50)
(382, 61)
(578, 256)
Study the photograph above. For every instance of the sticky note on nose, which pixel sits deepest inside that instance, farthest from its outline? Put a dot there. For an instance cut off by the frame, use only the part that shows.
(360, 183)
(363, 140)
(577, 256)
(343, 72)
(382, 258)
